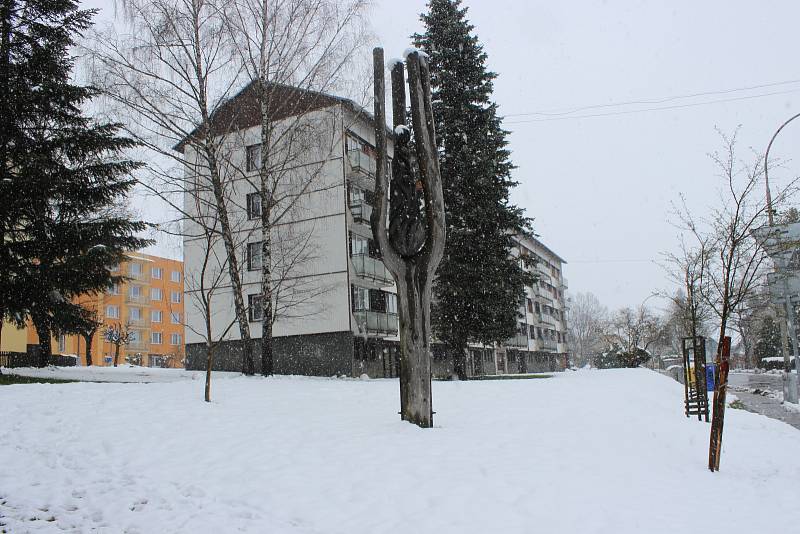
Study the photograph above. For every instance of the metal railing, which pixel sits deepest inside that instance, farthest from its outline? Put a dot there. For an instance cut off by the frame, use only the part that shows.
(372, 268)
(361, 211)
(361, 162)
(548, 344)
(377, 322)
(520, 340)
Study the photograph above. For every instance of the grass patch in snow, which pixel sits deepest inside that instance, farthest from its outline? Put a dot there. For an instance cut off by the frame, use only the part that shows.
(7, 380)
(737, 405)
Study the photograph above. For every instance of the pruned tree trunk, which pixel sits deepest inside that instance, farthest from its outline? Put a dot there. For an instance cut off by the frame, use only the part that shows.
(412, 246)
(116, 354)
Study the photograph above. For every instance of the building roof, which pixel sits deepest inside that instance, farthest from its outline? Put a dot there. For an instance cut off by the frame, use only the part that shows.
(242, 110)
(537, 243)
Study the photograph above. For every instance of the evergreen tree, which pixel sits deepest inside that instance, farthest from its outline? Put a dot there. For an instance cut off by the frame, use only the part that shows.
(63, 175)
(479, 287)
(768, 342)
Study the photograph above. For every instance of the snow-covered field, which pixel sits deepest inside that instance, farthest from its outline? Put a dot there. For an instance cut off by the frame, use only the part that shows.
(583, 452)
(123, 373)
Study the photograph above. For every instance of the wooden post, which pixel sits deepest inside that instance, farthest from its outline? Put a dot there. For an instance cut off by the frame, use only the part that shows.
(413, 244)
(718, 418)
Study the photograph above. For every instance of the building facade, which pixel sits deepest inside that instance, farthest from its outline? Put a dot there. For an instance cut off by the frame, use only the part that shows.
(339, 310)
(149, 304)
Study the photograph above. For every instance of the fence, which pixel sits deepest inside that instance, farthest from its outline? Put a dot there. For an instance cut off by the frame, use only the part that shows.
(28, 359)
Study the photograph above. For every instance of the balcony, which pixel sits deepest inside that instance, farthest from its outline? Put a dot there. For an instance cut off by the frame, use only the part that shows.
(361, 162)
(136, 299)
(361, 211)
(376, 322)
(548, 345)
(520, 340)
(564, 284)
(371, 268)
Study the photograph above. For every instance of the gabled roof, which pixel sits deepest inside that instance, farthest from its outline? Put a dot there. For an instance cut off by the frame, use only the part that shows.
(243, 111)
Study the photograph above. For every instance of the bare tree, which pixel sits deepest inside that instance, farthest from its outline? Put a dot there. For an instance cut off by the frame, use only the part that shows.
(118, 335)
(292, 52)
(168, 78)
(204, 283)
(734, 259)
(634, 328)
(586, 322)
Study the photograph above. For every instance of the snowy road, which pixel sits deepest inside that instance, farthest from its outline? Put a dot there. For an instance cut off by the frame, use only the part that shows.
(762, 404)
(584, 452)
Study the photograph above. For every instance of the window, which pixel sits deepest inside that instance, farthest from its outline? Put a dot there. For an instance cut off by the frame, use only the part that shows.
(156, 272)
(135, 291)
(254, 256)
(532, 332)
(530, 305)
(358, 245)
(537, 307)
(114, 268)
(175, 339)
(175, 276)
(155, 293)
(155, 316)
(62, 343)
(175, 297)
(360, 298)
(253, 205)
(253, 158)
(255, 311)
(112, 312)
(391, 303)
(175, 318)
(134, 336)
(113, 289)
(135, 314)
(135, 269)
(155, 338)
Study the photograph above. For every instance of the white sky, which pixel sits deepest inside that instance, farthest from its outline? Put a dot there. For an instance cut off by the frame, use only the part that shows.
(600, 188)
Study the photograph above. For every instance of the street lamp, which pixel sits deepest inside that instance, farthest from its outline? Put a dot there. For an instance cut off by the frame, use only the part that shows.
(789, 385)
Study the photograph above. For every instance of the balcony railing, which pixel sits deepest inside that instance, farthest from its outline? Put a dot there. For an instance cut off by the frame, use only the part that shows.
(520, 340)
(548, 344)
(371, 268)
(361, 162)
(361, 211)
(376, 322)
(564, 283)
(138, 299)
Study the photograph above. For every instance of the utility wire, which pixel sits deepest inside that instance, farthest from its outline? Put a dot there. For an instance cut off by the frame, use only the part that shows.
(662, 108)
(659, 100)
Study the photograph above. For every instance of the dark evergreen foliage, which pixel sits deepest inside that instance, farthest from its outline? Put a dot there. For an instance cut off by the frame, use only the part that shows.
(768, 344)
(479, 288)
(62, 175)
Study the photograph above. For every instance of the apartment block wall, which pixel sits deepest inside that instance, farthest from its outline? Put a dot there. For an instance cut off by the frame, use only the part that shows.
(147, 310)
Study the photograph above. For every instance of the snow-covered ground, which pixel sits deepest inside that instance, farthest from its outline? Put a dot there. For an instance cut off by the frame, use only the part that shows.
(583, 452)
(123, 373)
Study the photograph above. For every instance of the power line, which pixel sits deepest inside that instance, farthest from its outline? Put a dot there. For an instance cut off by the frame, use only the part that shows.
(659, 100)
(662, 108)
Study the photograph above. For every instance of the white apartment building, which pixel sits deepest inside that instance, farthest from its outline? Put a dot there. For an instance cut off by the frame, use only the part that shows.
(339, 309)
(337, 302)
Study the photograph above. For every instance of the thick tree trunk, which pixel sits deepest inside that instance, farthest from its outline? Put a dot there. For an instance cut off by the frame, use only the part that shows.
(459, 351)
(88, 339)
(234, 272)
(267, 346)
(415, 351)
(116, 354)
(45, 342)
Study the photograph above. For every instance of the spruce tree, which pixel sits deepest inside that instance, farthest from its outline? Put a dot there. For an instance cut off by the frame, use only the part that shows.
(63, 175)
(479, 287)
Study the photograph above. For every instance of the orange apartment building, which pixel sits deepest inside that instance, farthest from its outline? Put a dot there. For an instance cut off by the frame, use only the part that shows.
(149, 303)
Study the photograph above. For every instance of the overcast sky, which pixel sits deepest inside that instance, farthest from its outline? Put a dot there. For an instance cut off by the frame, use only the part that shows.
(600, 187)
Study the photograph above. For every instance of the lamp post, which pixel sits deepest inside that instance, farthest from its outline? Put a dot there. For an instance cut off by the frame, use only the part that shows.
(790, 392)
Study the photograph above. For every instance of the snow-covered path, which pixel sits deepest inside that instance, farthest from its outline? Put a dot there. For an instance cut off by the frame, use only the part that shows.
(585, 452)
